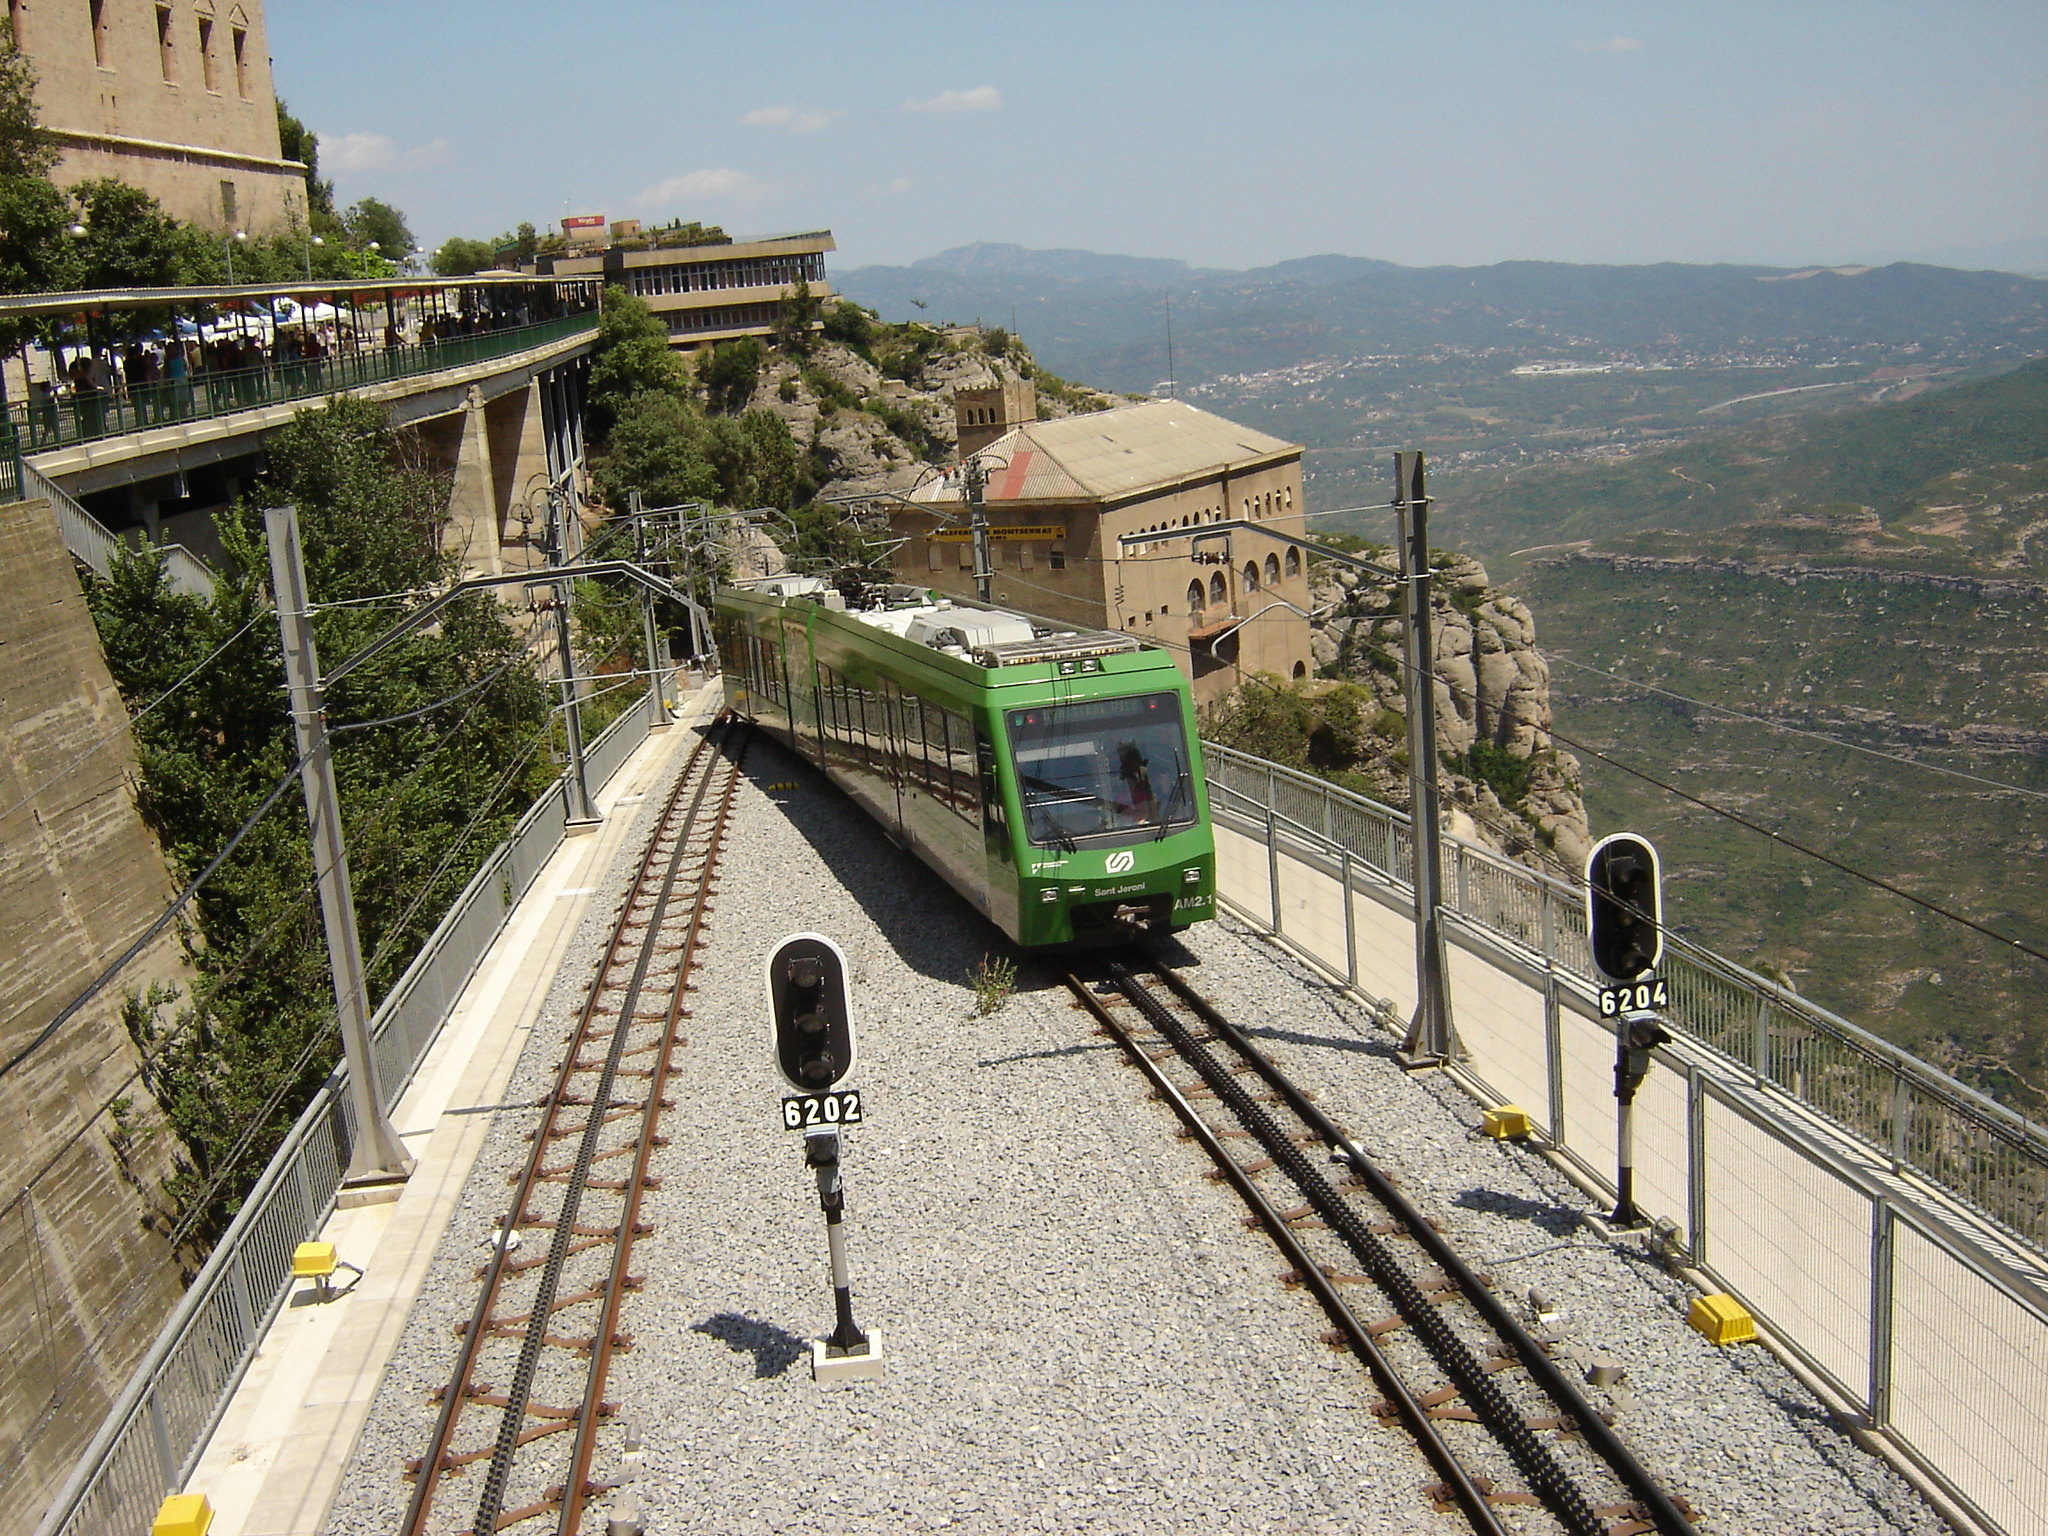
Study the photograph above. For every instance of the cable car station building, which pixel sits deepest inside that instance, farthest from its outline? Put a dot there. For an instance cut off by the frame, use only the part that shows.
(1060, 496)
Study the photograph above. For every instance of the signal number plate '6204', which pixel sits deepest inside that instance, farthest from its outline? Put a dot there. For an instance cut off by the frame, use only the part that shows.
(803, 1111)
(1634, 997)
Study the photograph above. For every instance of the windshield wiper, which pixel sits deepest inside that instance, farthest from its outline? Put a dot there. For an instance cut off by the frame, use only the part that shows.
(1180, 793)
(1047, 834)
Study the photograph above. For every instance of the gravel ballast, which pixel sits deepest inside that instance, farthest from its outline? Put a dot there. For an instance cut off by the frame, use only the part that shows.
(1079, 1332)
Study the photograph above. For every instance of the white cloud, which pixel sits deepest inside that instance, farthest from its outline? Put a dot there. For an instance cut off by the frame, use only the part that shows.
(717, 181)
(1610, 45)
(795, 119)
(983, 98)
(353, 153)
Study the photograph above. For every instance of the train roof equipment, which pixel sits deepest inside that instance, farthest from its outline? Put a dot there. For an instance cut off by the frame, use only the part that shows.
(969, 631)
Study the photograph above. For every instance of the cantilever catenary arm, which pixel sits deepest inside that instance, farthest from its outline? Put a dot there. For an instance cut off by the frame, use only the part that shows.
(540, 576)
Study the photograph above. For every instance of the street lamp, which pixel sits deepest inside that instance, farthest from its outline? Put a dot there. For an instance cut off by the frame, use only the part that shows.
(231, 242)
(316, 240)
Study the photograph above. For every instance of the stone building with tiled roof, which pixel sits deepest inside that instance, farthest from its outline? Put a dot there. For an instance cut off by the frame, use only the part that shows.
(1062, 494)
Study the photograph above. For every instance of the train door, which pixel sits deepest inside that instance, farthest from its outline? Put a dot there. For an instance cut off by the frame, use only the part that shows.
(1000, 858)
(890, 701)
(806, 724)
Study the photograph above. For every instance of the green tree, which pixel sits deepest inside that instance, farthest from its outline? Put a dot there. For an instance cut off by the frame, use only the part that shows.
(518, 248)
(298, 142)
(33, 213)
(851, 326)
(458, 257)
(423, 799)
(658, 444)
(372, 222)
(632, 358)
(665, 448)
(130, 242)
(731, 372)
(24, 148)
(796, 322)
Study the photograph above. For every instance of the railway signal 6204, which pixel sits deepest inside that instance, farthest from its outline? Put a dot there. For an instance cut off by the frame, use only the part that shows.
(1624, 908)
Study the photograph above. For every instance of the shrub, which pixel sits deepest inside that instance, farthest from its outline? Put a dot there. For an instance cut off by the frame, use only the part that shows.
(730, 373)
(993, 980)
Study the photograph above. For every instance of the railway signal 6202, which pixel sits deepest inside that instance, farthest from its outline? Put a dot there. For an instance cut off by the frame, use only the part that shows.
(809, 1013)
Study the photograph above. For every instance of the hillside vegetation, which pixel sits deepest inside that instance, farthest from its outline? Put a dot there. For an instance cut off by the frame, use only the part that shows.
(1894, 459)
(1876, 580)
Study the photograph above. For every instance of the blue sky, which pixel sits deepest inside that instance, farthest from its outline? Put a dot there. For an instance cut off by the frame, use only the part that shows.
(1231, 135)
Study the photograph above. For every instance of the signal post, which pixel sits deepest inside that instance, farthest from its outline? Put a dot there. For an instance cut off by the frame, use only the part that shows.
(1625, 931)
(812, 1020)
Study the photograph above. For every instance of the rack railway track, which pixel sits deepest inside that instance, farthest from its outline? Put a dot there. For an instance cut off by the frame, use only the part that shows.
(1482, 1396)
(526, 1399)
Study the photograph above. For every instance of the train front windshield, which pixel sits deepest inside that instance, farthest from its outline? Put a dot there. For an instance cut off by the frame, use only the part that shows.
(1106, 772)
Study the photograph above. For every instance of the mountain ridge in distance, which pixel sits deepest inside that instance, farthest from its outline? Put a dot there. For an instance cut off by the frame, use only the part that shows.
(1102, 318)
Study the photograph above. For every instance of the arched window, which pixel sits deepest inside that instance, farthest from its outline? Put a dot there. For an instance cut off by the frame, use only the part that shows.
(1293, 562)
(1273, 570)
(1219, 592)
(1194, 597)
(1300, 670)
(1251, 575)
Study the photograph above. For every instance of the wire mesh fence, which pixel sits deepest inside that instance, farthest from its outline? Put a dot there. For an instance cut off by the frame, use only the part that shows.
(159, 1425)
(1883, 1220)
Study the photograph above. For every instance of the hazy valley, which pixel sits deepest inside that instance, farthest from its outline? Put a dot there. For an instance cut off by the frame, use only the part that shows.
(1795, 502)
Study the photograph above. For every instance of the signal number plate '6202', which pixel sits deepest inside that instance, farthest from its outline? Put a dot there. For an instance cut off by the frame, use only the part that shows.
(806, 1110)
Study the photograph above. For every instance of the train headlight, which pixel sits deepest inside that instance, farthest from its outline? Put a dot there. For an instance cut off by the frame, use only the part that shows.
(1049, 895)
(1191, 877)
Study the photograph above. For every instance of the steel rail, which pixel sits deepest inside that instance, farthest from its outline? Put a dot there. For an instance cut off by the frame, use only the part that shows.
(1556, 1487)
(577, 1486)
(1468, 1495)
(658, 868)
(1555, 1382)
(511, 1426)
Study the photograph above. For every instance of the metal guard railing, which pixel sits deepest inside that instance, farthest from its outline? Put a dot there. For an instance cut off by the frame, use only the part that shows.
(1907, 1112)
(99, 547)
(40, 426)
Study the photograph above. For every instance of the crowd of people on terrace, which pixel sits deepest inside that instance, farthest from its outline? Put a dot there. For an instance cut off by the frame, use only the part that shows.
(153, 378)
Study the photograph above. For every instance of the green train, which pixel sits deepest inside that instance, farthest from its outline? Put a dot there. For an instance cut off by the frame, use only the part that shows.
(1052, 776)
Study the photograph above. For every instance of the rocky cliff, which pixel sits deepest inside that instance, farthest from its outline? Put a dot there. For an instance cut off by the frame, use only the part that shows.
(877, 411)
(1509, 784)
